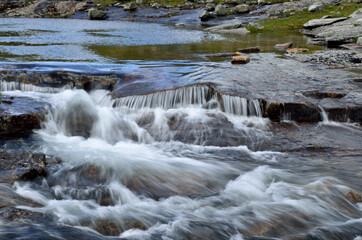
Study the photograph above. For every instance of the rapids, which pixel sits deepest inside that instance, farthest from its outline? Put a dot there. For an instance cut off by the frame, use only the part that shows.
(159, 171)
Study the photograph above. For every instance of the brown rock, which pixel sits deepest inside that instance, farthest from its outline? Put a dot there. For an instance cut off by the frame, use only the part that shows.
(284, 46)
(19, 125)
(250, 50)
(223, 55)
(354, 197)
(110, 228)
(240, 60)
(297, 50)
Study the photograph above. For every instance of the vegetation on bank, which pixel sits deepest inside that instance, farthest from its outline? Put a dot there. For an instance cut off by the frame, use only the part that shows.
(294, 20)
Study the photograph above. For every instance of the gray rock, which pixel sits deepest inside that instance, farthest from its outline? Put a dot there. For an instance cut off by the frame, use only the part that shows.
(206, 16)
(359, 41)
(156, 5)
(233, 28)
(261, 2)
(95, 14)
(233, 2)
(255, 25)
(221, 10)
(284, 46)
(132, 6)
(242, 8)
(322, 22)
(316, 8)
(210, 7)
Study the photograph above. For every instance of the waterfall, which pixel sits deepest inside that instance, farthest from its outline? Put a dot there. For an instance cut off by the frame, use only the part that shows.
(12, 86)
(181, 97)
(241, 106)
(324, 115)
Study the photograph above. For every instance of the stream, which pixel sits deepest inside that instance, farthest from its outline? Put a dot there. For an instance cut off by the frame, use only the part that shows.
(174, 164)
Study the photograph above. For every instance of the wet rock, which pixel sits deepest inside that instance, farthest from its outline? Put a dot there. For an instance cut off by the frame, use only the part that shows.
(13, 215)
(232, 28)
(255, 25)
(179, 25)
(221, 10)
(316, 8)
(242, 8)
(109, 228)
(321, 95)
(206, 16)
(132, 6)
(240, 60)
(8, 198)
(322, 22)
(19, 125)
(21, 166)
(156, 5)
(340, 58)
(95, 14)
(297, 50)
(250, 50)
(299, 112)
(283, 46)
(141, 2)
(354, 197)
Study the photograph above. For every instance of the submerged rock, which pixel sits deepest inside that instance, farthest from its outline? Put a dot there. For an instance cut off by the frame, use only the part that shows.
(297, 50)
(240, 60)
(250, 50)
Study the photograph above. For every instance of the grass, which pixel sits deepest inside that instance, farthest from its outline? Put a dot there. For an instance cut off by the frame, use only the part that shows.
(293, 21)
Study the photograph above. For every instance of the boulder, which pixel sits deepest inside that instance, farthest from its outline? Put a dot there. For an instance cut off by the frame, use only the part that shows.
(255, 25)
(283, 46)
(156, 5)
(141, 2)
(242, 8)
(19, 125)
(132, 6)
(221, 10)
(316, 8)
(359, 41)
(322, 22)
(233, 2)
(240, 60)
(250, 50)
(95, 14)
(206, 16)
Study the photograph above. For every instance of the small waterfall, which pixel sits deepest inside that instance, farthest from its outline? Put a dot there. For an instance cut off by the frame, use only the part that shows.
(12, 86)
(241, 106)
(181, 97)
(324, 115)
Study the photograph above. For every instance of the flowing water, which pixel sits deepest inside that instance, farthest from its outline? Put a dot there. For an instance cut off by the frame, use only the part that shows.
(181, 164)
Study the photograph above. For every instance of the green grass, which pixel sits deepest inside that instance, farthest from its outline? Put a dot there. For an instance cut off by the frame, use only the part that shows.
(289, 22)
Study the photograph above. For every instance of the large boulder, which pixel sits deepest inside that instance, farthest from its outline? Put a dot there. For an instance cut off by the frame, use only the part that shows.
(95, 14)
(132, 6)
(242, 8)
(221, 10)
(206, 16)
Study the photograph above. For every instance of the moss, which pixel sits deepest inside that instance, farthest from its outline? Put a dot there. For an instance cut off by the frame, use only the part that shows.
(287, 22)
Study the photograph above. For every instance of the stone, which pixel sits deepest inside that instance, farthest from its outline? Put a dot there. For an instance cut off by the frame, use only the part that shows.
(210, 7)
(95, 14)
(359, 41)
(240, 60)
(221, 10)
(156, 5)
(316, 8)
(297, 50)
(354, 197)
(21, 166)
(250, 50)
(179, 25)
(206, 16)
(322, 22)
(19, 125)
(256, 25)
(261, 2)
(233, 2)
(223, 55)
(283, 46)
(242, 8)
(132, 6)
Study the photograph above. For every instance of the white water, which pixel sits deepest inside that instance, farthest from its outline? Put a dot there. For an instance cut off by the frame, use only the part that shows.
(12, 86)
(241, 106)
(154, 166)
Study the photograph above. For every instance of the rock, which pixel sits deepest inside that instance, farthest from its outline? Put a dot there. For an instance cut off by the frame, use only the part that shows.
(297, 50)
(240, 60)
(354, 197)
(110, 228)
(222, 55)
(250, 50)
(283, 46)
(359, 41)
(299, 112)
(242, 8)
(316, 8)
(9, 4)
(206, 16)
(141, 2)
(95, 14)
(156, 5)
(179, 25)
(255, 25)
(322, 22)
(261, 2)
(21, 166)
(332, 58)
(132, 6)
(19, 125)
(233, 28)
(233, 2)
(210, 7)
(221, 10)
